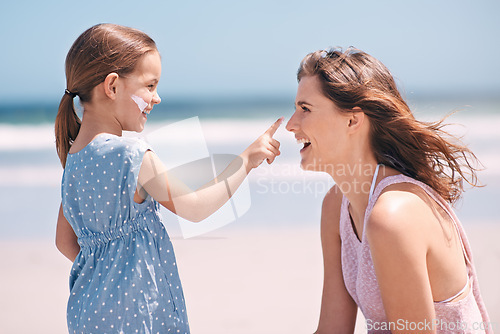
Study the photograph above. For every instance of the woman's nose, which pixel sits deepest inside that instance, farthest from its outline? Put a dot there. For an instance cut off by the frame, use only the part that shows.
(292, 125)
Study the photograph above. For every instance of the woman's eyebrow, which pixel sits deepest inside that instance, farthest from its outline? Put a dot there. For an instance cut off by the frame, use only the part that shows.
(299, 103)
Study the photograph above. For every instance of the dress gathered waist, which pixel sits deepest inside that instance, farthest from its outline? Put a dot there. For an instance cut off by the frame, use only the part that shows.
(103, 237)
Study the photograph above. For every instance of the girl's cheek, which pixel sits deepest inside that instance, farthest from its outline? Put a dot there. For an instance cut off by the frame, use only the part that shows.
(148, 96)
(141, 104)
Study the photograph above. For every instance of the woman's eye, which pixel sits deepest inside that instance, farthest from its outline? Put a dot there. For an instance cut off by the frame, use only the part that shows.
(305, 109)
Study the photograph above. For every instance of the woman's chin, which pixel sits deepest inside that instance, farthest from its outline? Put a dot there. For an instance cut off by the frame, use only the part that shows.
(309, 166)
(315, 166)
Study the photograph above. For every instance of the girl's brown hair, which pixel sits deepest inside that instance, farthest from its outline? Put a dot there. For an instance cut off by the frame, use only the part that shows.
(99, 51)
(421, 150)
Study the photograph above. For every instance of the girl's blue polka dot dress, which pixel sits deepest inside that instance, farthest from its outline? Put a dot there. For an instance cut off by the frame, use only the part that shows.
(125, 278)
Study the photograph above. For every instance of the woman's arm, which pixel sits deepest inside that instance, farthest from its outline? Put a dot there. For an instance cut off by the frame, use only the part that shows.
(66, 240)
(338, 309)
(398, 236)
(197, 205)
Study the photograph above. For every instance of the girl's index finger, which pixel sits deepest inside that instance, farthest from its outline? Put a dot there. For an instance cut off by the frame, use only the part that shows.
(272, 130)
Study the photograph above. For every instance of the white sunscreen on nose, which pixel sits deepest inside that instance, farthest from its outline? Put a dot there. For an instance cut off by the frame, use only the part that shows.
(140, 102)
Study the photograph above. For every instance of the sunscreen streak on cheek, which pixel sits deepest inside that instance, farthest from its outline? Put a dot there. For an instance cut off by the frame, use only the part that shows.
(140, 102)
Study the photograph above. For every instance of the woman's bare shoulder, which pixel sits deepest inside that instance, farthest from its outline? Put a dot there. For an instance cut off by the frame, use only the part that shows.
(403, 210)
(332, 200)
(330, 211)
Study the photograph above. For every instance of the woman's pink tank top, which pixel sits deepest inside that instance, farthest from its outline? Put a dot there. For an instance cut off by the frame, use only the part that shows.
(467, 315)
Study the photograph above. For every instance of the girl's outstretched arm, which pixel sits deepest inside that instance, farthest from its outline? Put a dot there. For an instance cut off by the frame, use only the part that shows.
(197, 205)
(66, 240)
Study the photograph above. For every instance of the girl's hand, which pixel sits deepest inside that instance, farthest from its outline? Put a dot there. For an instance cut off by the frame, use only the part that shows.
(197, 205)
(264, 148)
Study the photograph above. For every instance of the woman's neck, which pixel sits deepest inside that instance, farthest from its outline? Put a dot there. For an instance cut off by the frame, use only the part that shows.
(354, 179)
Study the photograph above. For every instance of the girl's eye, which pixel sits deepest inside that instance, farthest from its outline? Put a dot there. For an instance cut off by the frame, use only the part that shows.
(305, 109)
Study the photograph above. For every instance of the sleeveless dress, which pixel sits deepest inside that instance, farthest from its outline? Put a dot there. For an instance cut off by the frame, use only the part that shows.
(467, 315)
(125, 278)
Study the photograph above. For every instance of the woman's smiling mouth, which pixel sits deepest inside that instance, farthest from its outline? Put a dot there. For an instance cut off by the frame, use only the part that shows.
(304, 141)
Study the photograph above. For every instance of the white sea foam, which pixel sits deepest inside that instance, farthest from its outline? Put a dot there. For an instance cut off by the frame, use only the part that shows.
(223, 131)
(17, 141)
(35, 137)
(26, 137)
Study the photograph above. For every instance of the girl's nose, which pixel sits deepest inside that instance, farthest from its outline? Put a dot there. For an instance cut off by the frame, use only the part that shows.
(156, 98)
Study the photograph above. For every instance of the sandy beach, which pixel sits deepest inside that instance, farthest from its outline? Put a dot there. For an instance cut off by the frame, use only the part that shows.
(236, 281)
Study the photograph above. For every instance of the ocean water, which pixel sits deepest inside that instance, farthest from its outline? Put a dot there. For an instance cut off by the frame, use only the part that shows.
(281, 195)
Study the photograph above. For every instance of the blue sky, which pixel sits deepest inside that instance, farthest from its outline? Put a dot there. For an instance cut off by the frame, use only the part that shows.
(244, 48)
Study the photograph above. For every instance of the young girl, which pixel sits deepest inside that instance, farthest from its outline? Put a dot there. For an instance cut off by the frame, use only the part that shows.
(124, 278)
(392, 245)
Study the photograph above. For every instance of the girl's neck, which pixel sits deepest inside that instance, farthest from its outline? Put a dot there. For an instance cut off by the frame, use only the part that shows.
(93, 124)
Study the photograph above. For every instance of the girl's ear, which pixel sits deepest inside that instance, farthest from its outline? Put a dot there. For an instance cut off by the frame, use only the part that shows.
(110, 84)
(356, 119)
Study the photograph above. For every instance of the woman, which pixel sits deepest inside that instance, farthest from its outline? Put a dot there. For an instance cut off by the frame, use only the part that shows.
(392, 245)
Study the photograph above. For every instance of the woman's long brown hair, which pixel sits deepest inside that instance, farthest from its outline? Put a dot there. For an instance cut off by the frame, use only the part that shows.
(97, 52)
(421, 150)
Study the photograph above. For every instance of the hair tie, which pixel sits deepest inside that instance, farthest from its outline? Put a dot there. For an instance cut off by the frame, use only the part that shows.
(66, 91)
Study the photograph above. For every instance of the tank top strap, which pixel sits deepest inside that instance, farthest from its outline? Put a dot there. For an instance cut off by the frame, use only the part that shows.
(372, 186)
(467, 284)
(400, 178)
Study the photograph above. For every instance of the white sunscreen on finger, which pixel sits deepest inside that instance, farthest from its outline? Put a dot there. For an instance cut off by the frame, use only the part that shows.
(140, 102)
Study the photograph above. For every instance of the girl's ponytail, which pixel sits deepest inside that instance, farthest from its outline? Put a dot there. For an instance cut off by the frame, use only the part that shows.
(66, 127)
